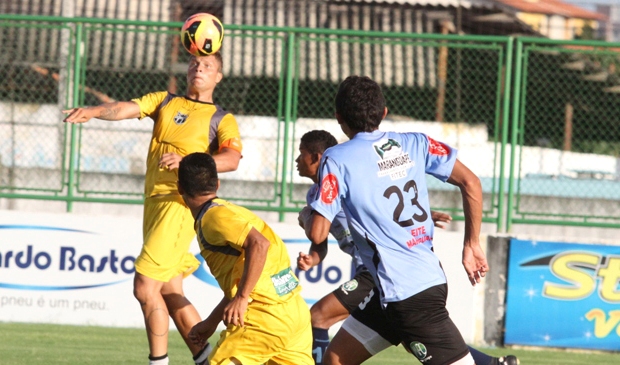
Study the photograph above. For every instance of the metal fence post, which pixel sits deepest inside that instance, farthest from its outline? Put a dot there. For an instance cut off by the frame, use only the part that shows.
(288, 108)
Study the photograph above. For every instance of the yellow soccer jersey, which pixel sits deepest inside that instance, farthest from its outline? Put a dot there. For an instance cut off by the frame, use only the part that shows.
(183, 126)
(221, 229)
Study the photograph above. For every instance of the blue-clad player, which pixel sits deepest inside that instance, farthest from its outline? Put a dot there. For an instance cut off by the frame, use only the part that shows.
(338, 304)
(378, 179)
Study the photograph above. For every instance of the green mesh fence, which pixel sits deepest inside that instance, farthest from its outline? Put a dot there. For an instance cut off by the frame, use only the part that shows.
(425, 79)
(33, 88)
(567, 133)
(280, 82)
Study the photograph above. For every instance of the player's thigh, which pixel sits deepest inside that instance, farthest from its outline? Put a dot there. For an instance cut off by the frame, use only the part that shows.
(297, 345)
(174, 286)
(354, 343)
(368, 324)
(146, 288)
(168, 233)
(425, 327)
(327, 311)
(353, 292)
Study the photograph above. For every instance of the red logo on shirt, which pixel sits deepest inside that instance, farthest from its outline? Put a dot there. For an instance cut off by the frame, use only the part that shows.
(329, 189)
(437, 148)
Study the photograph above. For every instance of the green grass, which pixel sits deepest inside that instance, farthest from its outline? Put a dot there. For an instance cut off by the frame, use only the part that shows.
(22, 343)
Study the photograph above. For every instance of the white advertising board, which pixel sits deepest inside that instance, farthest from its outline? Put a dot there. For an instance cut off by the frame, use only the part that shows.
(77, 269)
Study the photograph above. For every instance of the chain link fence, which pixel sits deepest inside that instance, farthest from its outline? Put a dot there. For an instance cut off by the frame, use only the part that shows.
(566, 167)
(280, 83)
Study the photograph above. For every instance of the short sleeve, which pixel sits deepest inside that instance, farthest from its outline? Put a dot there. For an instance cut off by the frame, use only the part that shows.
(149, 103)
(225, 228)
(228, 134)
(327, 198)
(440, 159)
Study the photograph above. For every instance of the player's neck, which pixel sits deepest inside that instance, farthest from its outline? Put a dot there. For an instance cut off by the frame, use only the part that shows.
(202, 96)
(196, 203)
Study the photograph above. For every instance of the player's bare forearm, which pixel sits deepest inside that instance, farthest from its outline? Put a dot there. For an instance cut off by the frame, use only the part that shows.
(227, 160)
(474, 259)
(200, 333)
(216, 315)
(255, 247)
(317, 228)
(471, 192)
(109, 111)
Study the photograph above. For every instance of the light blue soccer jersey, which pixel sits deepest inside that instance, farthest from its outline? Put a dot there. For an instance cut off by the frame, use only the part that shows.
(340, 230)
(379, 180)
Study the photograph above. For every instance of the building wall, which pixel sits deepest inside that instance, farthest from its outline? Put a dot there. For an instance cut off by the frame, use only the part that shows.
(556, 26)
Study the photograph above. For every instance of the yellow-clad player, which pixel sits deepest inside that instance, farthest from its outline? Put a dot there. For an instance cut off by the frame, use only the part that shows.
(183, 124)
(267, 320)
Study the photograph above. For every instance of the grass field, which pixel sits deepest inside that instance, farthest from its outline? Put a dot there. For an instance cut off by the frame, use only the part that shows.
(55, 344)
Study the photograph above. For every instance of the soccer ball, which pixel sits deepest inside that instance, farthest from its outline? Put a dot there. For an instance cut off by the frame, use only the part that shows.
(202, 34)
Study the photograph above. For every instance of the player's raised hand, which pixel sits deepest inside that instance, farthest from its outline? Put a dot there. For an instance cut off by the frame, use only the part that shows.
(170, 161)
(440, 219)
(475, 263)
(78, 115)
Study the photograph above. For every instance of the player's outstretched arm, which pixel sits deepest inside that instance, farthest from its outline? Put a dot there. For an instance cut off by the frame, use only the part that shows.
(474, 260)
(109, 111)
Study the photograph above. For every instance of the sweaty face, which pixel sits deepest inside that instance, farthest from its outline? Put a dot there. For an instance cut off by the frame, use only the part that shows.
(203, 72)
(307, 163)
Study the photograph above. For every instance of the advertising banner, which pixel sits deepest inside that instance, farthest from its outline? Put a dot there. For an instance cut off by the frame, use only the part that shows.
(563, 295)
(76, 269)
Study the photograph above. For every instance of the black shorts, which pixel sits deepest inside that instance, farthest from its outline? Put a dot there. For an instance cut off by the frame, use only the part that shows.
(421, 323)
(353, 292)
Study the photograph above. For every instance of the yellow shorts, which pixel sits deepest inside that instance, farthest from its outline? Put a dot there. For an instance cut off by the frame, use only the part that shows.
(168, 230)
(273, 334)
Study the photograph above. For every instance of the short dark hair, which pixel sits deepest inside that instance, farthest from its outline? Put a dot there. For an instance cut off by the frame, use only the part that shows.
(317, 141)
(198, 174)
(360, 103)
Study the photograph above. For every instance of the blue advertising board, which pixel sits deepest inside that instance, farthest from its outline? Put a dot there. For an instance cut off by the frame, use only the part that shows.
(563, 295)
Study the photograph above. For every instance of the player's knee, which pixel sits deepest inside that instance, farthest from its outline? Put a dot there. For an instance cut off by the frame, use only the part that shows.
(144, 293)
(318, 318)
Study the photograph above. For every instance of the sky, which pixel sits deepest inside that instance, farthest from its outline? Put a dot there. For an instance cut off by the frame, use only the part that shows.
(590, 4)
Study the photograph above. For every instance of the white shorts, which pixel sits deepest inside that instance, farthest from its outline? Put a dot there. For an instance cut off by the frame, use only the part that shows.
(371, 340)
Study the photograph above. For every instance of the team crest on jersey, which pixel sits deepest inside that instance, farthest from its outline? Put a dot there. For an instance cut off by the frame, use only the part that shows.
(329, 189)
(180, 118)
(419, 351)
(393, 161)
(349, 286)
